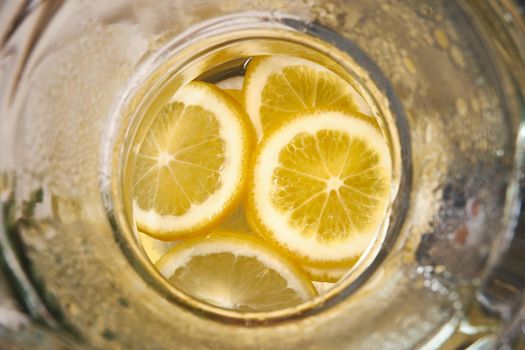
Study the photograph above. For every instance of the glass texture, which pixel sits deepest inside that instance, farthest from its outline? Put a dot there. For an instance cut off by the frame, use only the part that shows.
(449, 76)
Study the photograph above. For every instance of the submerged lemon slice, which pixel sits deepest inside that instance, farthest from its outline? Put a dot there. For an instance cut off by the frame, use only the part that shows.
(191, 167)
(319, 187)
(278, 87)
(235, 271)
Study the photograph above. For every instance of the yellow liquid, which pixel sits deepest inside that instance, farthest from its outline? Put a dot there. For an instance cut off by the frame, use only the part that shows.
(229, 76)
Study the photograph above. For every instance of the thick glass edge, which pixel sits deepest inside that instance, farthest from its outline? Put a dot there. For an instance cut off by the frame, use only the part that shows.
(114, 202)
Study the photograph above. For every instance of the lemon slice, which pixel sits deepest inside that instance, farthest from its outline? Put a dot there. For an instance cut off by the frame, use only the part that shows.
(277, 87)
(235, 271)
(191, 167)
(319, 187)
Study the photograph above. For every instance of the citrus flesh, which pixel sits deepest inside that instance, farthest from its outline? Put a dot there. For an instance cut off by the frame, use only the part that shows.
(190, 169)
(319, 187)
(235, 271)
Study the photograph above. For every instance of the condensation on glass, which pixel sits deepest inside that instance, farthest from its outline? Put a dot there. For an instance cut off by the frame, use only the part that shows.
(450, 78)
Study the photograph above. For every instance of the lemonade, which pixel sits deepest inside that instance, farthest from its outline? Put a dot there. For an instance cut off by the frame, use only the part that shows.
(250, 188)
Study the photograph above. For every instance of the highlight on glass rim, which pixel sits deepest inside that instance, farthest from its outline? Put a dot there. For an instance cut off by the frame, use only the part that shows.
(262, 174)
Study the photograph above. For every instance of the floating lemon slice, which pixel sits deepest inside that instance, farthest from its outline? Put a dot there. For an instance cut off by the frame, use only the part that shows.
(191, 167)
(235, 271)
(277, 87)
(319, 187)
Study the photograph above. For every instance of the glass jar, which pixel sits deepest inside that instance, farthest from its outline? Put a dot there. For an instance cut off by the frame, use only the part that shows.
(450, 77)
